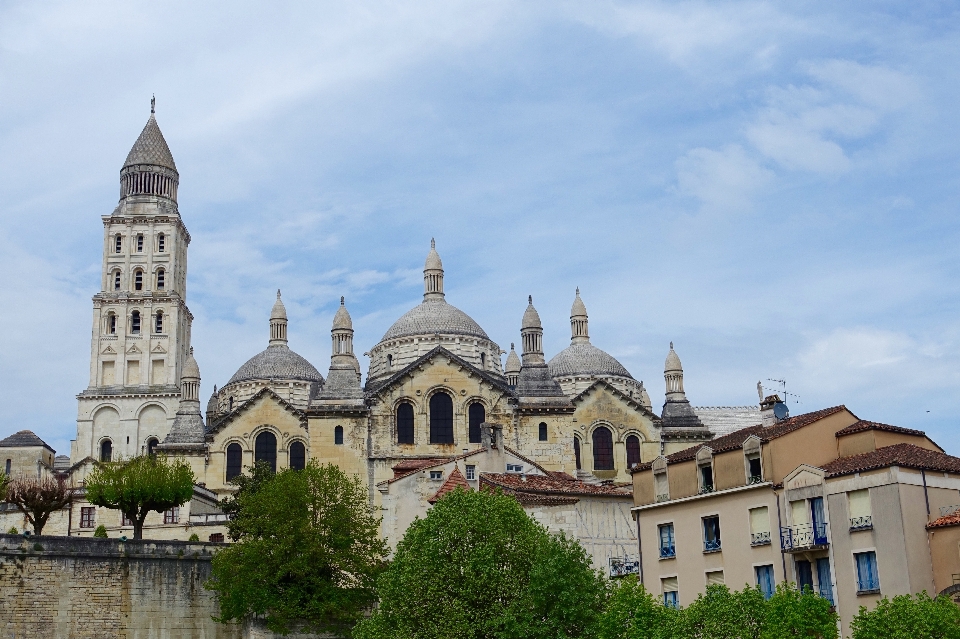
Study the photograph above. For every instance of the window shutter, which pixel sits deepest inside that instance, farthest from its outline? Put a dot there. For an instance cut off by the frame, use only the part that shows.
(859, 503)
(715, 577)
(670, 584)
(759, 520)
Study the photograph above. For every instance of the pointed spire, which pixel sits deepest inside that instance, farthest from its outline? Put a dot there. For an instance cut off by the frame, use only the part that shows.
(342, 319)
(512, 369)
(578, 320)
(433, 274)
(278, 323)
(187, 430)
(673, 375)
(531, 335)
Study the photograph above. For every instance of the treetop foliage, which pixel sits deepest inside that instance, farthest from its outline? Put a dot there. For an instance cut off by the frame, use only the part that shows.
(906, 617)
(37, 498)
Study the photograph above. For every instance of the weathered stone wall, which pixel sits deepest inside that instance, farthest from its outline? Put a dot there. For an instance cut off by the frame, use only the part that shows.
(80, 588)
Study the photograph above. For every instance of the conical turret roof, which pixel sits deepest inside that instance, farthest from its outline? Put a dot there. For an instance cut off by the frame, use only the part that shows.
(341, 320)
(151, 148)
(531, 318)
(513, 362)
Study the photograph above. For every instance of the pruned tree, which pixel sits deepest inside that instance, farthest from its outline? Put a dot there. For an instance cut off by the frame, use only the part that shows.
(37, 499)
(140, 485)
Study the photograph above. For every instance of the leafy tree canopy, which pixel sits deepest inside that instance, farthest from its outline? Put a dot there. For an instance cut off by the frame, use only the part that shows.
(633, 613)
(140, 485)
(477, 567)
(37, 499)
(906, 617)
(260, 474)
(308, 552)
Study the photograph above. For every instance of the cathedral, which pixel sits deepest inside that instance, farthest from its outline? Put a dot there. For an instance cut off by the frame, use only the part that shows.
(434, 390)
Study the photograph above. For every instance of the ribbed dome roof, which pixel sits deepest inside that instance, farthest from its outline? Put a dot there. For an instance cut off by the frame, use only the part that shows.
(151, 148)
(434, 316)
(277, 362)
(672, 362)
(513, 362)
(585, 359)
(342, 319)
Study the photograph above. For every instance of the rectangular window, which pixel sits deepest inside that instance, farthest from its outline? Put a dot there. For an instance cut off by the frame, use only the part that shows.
(759, 526)
(799, 514)
(139, 244)
(216, 538)
(172, 516)
(88, 516)
(868, 579)
(514, 468)
(124, 521)
(804, 574)
(662, 488)
(671, 592)
(706, 479)
(765, 580)
(711, 533)
(471, 472)
(436, 475)
(667, 544)
(861, 517)
(824, 581)
(715, 578)
(755, 475)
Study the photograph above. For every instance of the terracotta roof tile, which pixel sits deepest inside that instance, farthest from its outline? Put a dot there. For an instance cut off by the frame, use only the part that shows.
(864, 425)
(906, 455)
(454, 481)
(407, 466)
(952, 519)
(547, 485)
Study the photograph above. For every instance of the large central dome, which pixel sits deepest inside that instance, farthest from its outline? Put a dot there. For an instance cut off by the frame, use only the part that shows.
(434, 316)
(586, 359)
(278, 362)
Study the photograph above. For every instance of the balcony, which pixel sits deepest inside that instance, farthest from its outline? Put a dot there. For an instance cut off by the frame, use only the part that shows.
(662, 498)
(861, 523)
(759, 539)
(755, 479)
(826, 591)
(668, 552)
(706, 488)
(711, 545)
(803, 537)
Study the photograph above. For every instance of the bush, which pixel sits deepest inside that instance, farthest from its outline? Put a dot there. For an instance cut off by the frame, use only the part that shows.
(633, 613)
(13, 531)
(906, 617)
(194, 537)
(101, 532)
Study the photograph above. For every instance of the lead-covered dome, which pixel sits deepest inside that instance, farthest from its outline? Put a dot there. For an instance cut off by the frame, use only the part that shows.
(585, 359)
(434, 316)
(277, 362)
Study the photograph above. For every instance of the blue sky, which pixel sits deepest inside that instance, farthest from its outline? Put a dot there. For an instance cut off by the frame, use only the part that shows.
(771, 186)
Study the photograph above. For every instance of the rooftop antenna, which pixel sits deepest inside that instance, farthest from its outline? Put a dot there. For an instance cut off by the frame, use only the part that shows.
(783, 390)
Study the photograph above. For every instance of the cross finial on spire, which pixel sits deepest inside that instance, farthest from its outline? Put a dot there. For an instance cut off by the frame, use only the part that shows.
(511, 346)
(433, 243)
(529, 299)
(341, 300)
(671, 346)
(278, 293)
(153, 104)
(578, 290)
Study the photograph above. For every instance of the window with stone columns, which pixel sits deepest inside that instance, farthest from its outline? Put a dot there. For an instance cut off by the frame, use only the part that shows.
(138, 280)
(111, 323)
(116, 280)
(135, 322)
(161, 243)
(118, 243)
(140, 243)
(158, 323)
(161, 275)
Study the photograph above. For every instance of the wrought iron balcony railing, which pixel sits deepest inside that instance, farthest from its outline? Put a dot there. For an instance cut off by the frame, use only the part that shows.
(711, 545)
(803, 537)
(861, 523)
(759, 539)
(706, 488)
(755, 479)
(666, 552)
(663, 497)
(826, 591)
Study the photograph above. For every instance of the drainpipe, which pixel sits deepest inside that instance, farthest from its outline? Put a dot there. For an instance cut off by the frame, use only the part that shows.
(783, 559)
(640, 550)
(926, 497)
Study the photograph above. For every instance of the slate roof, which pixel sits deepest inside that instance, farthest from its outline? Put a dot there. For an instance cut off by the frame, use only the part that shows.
(454, 481)
(151, 148)
(723, 420)
(24, 439)
(434, 316)
(583, 358)
(735, 439)
(864, 425)
(905, 455)
(277, 362)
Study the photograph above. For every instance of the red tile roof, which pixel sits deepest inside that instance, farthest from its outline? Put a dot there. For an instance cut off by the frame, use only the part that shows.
(906, 455)
(550, 485)
(454, 481)
(864, 425)
(952, 519)
(735, 439)
(407, 466)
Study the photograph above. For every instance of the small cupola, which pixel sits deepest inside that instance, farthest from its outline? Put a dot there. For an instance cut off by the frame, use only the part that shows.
(149, 169)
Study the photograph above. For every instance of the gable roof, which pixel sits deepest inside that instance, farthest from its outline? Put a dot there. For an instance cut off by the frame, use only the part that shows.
(24, 439)
(397, 377)
(454, 481)
(247, 405)
(616, 392)
(735, 439)
(905, 455)
(864, 425)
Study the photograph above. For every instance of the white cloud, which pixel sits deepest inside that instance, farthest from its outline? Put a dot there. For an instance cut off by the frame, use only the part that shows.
(723, 180)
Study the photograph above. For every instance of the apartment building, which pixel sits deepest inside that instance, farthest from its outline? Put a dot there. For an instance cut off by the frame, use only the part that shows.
(824, 499)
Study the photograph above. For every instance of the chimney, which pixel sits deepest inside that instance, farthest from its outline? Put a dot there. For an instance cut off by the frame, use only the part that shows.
(485, 435)
(773, 410)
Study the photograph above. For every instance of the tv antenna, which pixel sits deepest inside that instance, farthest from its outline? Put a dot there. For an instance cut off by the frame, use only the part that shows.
(782, 391)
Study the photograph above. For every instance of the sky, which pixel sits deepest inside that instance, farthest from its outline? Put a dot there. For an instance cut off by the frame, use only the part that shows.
(773, 187)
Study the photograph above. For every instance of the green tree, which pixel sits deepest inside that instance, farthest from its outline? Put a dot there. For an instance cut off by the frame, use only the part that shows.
(720, 613)
(260, 474)
(140, 485)
(791, 613)
(100, 532)
(37, 499)
(906, 617)
(478, 567)
(633, 613)
(308, 551)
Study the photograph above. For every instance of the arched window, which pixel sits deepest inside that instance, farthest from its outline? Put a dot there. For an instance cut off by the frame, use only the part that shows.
(405, 424)
(298, 456)
(112, 324)
(135, 322)
(477, 416)
(160, 278)
(138, 280)
(118, 243)
(116, 281)
(140, 243)
(483, 360)
(158, 324)
(265, 449)
(602, 449)
(231, 403)
(389, 361)
(161, 243)
(106, 450)
(576, 451)
(338, 435)
(234, 460)
(152, 446)
(441, 419)
(9, 463)
(633, 451)
(542, 432)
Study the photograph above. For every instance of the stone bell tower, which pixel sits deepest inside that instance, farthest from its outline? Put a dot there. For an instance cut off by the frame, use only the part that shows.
(141, 323)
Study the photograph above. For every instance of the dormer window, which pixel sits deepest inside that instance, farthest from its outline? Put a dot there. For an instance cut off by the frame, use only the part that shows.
(140, 243)
(660, 485)
(705, 470)
(118, 243)
(756, 475)
(160, 279)
(135, 323)
(751, 460)
(161, 243)
(138, 281)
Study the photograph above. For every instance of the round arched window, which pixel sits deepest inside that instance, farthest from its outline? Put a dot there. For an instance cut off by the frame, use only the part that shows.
(106, 450)
(633, 451)
(298, 456)
(152, 446)
(477, 415)
(602, 449)
(234, 460)
(405, 424)
(265, 449)
(441, 419)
